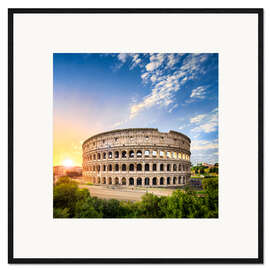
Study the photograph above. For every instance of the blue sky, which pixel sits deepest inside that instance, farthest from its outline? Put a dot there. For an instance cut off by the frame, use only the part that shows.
(99, 92)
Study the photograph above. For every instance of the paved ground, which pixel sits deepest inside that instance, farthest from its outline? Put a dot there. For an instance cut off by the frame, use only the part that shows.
(126, 194)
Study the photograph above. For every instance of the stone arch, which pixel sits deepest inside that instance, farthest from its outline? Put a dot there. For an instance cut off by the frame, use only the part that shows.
(180, 168)
(139, 154)
(98, 156)
(146, 181)
(179, 180)
(98, 168)
(139, 167)
(131, 167)
(104, 155)
(124, 167)
(131, 154)
(147, 167)
(110, 181)
(139, 181)
(116, 154)
(161, 168)
(146, 153)
(168, 167)
(124, 181)
(110, 155)
(116, 181)
(168, 180)
(116, 167)
(124, 154)
(161, 181)
(110, 167)
(99, 181)
(94, 157)
(154, 167)
(131, 181)
(154, 181)
(104, 168)
(174, 180)
(104, 180)
(174, 167)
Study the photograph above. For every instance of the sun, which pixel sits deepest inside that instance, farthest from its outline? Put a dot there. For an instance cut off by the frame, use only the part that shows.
(67, 163)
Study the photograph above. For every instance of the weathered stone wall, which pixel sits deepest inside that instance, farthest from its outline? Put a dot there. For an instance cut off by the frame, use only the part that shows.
(139, 156)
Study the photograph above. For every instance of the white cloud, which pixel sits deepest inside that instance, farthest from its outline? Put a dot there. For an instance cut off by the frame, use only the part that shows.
(164, 86)
(203, 145)
(173, 108)
(122, 57)
(207, 123)
(197, 118)
(198, 92)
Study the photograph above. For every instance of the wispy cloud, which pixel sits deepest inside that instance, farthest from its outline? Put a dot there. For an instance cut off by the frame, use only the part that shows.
(173, 108)
(203, 145)
(198, 92)
(198, 118)
(165, 84)
(205, 122)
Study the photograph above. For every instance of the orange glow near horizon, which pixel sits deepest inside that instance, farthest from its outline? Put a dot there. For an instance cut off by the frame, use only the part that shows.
(68, 163)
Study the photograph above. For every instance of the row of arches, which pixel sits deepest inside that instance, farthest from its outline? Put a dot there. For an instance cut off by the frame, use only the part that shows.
(137, 154)
(147, 167)
(139, 181)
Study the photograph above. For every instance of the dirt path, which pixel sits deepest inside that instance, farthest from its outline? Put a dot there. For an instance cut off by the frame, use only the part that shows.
(126, 194)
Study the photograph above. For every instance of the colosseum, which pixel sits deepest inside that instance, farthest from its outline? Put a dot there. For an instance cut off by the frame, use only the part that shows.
(137, 157)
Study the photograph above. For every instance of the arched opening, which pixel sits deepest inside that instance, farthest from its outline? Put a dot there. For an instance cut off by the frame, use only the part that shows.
(110, 155)
(116, 167)
(139, 181)
(104, 168)
(161, 154)
(174, 180)
(161, 181)
(116, 154)
(94, 157)
(131, 167)
(124, 154)
(99, 180)
(139, 167)
(147, 181)
(168, 167)
(147, 167)
(124, 181)
(131, 154)
(154, 167)
(131, 181)
(116, 181)
(139, 153)
(110, 167)
(94, 168)
(184, 180)
(180, 168)
(98, 168)
(174, 167)
(179, 180)
(98, 155)
(104, 155)
(154, 181)
(124, 167)
(104, 180)
(168, 180)
(161, 167)
(146, 153)
(154, 153)
(110, 180)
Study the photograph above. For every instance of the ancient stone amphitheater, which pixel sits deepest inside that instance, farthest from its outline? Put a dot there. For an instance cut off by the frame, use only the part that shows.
(137, 157)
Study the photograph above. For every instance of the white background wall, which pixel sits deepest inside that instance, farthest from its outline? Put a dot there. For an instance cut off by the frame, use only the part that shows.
(114, 4)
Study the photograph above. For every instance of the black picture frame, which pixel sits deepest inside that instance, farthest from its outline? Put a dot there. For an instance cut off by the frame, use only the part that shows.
(13, 260)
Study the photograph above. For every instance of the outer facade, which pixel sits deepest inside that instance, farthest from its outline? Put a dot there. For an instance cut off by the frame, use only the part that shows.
(137, 157)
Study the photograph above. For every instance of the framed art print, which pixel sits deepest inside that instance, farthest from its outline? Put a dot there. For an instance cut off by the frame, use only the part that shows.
(135, 135)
